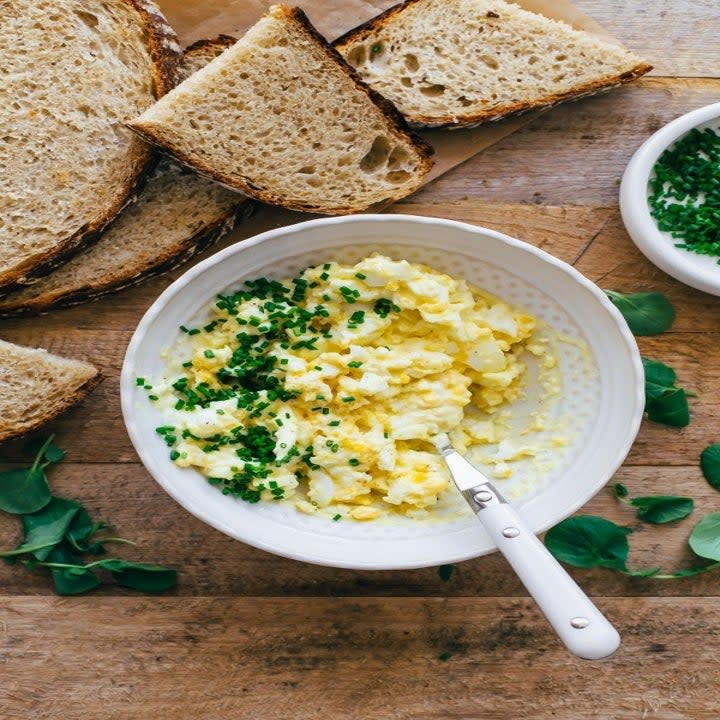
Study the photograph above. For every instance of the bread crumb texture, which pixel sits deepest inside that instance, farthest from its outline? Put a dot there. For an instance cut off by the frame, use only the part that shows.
(169, 222)
(281, 117)
(73, 72)
(445, 62)
(36, 385)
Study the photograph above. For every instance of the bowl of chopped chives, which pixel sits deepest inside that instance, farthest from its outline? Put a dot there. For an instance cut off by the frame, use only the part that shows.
(670, 198)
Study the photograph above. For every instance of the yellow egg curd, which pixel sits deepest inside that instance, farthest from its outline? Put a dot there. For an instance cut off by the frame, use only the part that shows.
(326, 390)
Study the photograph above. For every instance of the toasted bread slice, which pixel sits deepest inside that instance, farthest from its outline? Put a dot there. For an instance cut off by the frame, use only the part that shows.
(178, 213)
(451, 63)
(281, 117)
(35, 386)
(72, 73)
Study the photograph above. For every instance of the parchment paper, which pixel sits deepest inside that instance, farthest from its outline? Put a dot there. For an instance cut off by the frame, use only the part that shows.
(196, 19)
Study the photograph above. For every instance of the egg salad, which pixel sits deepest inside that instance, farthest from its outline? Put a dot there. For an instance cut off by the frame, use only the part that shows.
(326, 390)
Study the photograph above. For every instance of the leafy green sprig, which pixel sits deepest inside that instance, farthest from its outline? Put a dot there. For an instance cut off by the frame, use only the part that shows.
(665, 402)
(588, 541)
(58, 533)
(646, 313)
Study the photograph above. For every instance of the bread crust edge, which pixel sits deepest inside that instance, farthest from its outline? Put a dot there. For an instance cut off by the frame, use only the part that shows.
(78, 395)
(161, 46)
(469, 120)
(188, 248)
(246, 186)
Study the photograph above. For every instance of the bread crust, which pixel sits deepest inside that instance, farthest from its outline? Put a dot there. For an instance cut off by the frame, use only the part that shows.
(468, 120)
(165, 53)
(246, 186)
(93, 291)
(224, 40)
(183, 252)
(7, 433)
(474, 119)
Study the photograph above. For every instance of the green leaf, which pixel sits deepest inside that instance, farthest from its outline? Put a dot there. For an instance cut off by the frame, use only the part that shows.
(589, 541)
(620, 490)
(445, 572)
(704, 540)
(710, 464)
(82, 529)
(659, 509)
(44, 450)
(648, 313)
(53, 453)
(71, 581)
(24, 491)
(46, 528)
(658, 373)
(664, 403)
(140, 576)
(672, 409)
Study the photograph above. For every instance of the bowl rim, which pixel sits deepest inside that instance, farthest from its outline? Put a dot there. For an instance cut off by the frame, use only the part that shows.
(146, 456)
(699, 271)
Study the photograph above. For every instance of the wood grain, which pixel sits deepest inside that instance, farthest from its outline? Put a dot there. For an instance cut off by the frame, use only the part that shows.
(359, 659)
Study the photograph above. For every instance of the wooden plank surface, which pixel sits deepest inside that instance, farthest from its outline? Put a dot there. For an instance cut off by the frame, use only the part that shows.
(350, 658)
(248, 634)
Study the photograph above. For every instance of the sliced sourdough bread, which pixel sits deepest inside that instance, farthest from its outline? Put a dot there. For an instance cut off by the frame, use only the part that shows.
(177, 214)
(462, 62)
(35, 386)
(281, 117)
(73, 71)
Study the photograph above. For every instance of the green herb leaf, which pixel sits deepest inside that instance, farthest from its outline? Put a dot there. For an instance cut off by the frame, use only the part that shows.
(620, 491)
(46, 528)
(446, 572)
(648, 313)
(710, 465)
(53, 453)
(664, 403)
(139, 576)
(704, 540)
(71, 581)
(659, 509)
(589, 541)
(24, 491)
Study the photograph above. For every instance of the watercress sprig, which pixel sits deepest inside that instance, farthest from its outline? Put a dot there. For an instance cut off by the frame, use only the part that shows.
(588, 541)
(656, 509)
(646, 313)
(664, 402)
(58, 533)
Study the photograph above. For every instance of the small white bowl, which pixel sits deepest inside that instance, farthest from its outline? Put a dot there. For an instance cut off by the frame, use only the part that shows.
(699, 271)
(601, 403)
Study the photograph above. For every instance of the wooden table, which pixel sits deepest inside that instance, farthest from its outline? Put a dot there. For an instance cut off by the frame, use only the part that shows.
(250, 635)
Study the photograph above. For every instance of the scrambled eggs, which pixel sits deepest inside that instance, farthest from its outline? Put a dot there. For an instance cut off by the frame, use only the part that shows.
(328, 389)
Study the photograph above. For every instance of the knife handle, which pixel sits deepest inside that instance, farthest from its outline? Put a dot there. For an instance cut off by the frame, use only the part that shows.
(579, 624)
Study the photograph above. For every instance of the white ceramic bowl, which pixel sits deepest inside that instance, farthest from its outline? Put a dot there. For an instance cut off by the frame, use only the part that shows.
(602, 400)
(698, 271)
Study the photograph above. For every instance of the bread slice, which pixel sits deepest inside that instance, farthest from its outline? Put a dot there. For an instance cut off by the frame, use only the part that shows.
(35, 386)
(178, 213)
(281, 117)
(451, 63)
(72, 72)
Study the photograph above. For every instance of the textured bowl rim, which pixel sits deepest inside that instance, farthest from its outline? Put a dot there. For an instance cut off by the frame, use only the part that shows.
(147, 457)
(699, 271)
